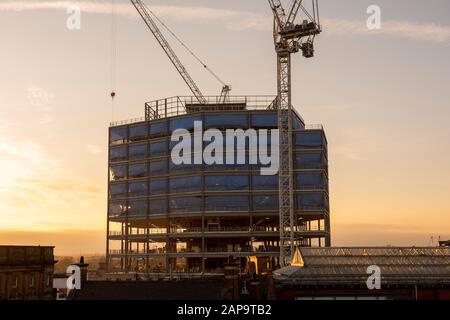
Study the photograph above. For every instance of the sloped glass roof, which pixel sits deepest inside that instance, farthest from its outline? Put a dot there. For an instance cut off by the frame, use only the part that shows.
(398, 265)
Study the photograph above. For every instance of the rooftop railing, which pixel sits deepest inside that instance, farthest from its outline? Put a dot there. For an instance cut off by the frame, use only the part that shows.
(181, 105)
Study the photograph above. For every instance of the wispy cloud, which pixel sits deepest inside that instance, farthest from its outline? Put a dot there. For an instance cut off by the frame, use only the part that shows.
(93, 149)
(348, 152)
(245, 20)
(36, 189)
(416, 31)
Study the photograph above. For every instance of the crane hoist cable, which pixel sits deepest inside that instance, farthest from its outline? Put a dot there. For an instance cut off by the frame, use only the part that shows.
(113, 54)
(188, 49)
(154, 23)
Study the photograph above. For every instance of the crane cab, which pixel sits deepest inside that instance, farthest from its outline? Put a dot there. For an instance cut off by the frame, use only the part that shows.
(306, 29)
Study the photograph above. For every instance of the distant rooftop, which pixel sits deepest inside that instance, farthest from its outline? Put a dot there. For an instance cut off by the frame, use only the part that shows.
(349, 265)
(18, 255)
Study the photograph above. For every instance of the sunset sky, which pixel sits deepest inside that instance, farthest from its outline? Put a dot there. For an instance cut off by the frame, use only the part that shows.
(382, 96)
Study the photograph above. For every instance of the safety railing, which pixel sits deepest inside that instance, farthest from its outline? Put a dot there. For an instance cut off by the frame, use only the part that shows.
(180, 105)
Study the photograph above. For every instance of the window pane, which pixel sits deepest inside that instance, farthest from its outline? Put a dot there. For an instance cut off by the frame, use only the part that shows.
(117, 172)
(309, 161)
(118, 135)
(158, 187)
(310, 181)
(297, 123)
(158, 149)
(118, 153)
(180, 168)
(190, 204)
(137, 208)
(158, 206)
(231, 203)
(311, 201)
(233, 121)
(158, 128)
(265, 182)
(117, 190)
(138, 151)
(185, 184)
(136, 189)
(269, 120)
(139, 132)
(184, 123)
(309, 140)
(117, 208)
(226, 183)
(226, 167)
(269, 202)
(158, 168)
(137, 170)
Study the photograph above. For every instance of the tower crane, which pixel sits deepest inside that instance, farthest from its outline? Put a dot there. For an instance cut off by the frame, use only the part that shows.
(146, 15)
(289, 38)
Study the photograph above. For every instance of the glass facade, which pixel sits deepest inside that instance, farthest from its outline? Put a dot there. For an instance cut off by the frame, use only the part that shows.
(192, 217)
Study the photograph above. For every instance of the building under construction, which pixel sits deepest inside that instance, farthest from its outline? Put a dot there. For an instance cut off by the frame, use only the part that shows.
(165, 217)
(190, 217)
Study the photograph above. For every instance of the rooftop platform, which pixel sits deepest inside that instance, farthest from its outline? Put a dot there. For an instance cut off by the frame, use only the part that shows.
(184, 105)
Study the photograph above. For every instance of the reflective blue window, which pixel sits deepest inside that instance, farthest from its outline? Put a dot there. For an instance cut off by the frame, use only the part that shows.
(227, 203)
(117, 172)
(158, 168)
(311, 201)
(184, 123)
(138, 170)
(224, 121)
(118, 153)
(158, 206)
(309, 161)
(226, 183)
(265, 203)
(265, 182)
(118, 190)
(225, 167)
(188, 204)
(137, 208)
(181, 168)
(310, 181)
(158, 187)
(309, 140)
(117, 208)
(138, 132)
(158, 129)
(136, 189)
(138, 151)
(158, 149)
(297, 123)
(265, 120)
(185, 184)
(118, 135)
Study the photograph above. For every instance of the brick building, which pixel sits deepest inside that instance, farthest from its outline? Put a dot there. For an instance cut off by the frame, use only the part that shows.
(26, 273)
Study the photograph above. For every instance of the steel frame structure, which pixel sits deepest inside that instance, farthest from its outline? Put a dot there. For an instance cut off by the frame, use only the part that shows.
(287, 39)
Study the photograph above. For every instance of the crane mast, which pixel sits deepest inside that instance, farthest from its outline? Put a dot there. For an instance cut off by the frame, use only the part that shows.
(144, 12)
(289, 38)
